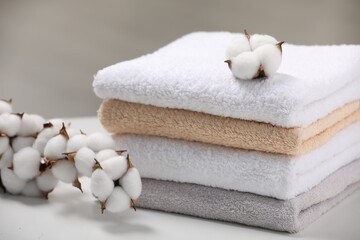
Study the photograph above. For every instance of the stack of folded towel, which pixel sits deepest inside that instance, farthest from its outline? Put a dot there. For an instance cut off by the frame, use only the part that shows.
(275, 153)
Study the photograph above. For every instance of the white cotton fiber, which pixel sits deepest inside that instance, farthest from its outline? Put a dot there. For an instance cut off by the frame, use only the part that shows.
(39, 122)
(245, 66)
(65, 171)
(11, 182)
(100, 141)
(29, 125)
(258, 40)
(26, 163)
(84, 161)
(10, 124)
(115, 167)
(105, 154)
(19, 143)
(72, 132)
(101, 185)
(4, 144)
(131, 183)
(55, 148)
(76, 142)
(118, 201)
(270, 58)
(31, 189)
(237, 46)
(6, 158)
(46, 181)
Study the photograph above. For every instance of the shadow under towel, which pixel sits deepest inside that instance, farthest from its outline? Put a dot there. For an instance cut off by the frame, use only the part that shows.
(251, 209)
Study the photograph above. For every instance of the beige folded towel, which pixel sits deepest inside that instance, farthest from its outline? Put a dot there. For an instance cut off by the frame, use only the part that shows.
(118, 116)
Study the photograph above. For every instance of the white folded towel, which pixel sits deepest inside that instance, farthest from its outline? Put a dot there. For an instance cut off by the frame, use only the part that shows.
(274, 175)
(190, 73)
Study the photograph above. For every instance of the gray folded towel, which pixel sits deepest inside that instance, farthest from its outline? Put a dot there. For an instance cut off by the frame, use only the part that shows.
(283, 215)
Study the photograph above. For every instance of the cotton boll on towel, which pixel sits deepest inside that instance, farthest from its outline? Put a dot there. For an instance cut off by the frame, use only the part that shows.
(100, 141)
(261, 59)
(115, 167)
(105, 154)
(131, 182)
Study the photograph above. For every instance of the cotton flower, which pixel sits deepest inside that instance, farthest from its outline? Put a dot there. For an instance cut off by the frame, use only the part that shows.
(76, 142)
(105, 154)
(65, 171)
(115, 167)
(12, 183)
(4, 144)
(46, 181)
(19, 143)
(100, 141)
(10, 124)
(131, 181)
(118, 201)
(31, 189)
(26, 163)
(101, 185)
(6, 158)
(254, 56)
(84, 161)
(29, 125)
(55, 147)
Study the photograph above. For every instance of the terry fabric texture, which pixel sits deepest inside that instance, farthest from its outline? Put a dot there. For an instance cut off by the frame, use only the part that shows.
(251, 209)
(190, 74)
(124, 117)
(275, 175)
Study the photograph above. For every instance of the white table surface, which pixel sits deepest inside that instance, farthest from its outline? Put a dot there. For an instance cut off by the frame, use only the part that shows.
(68, 214)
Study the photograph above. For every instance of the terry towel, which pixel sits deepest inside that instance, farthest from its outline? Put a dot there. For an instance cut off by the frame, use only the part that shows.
(118, 116)
(251, 209)
(190, 74)
(267, 174)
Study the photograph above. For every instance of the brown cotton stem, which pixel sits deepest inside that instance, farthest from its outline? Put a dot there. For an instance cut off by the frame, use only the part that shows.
(96, 165)
(278, 45)
(7, 101)
(130, 165)
(64, 132)
(77, 184)
(120, 151)
(228, 63)
(48, 125)
(133, 204)
(70, 156)
(102, 206)
(247, 34)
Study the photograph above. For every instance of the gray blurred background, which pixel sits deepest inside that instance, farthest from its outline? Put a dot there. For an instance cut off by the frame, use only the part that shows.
(50, 50)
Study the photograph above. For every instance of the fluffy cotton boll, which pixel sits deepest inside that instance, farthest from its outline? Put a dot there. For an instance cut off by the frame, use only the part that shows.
(55, 147)
(39, 122)
(258, 40)
(28, 126)
(131, 183)
(19, 143)
(84, 161)
(100, 141)
(12, 183)
(72, 132)
(118, 201)
(270, 58)
(31, 189)
(26, 163)
(10, 124)
(46, 181)
(65, 171)
(115, 167)
(76, 142)
(5, 107)
(57, 123)
(6, 158)
(237, 46)
(39, 144)
(4, 144)
(245, 66)
(101, 185)
(105, 154)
